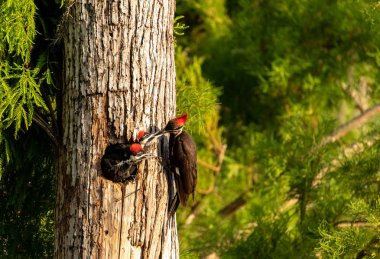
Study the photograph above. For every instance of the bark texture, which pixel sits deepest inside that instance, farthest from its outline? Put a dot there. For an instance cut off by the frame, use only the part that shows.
(119, 75)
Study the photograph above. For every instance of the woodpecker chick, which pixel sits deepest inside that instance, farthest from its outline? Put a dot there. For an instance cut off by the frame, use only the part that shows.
(119, 162)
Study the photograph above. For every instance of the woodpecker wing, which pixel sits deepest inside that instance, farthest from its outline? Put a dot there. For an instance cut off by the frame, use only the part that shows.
(184, 157)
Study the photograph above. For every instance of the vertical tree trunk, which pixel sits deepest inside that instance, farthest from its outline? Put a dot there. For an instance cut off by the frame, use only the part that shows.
(118, 75)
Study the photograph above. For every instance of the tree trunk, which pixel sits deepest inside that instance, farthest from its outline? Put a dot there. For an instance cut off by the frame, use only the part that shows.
(119, 75)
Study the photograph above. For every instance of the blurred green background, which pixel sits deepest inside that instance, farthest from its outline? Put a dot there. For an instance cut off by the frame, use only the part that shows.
(268, 86)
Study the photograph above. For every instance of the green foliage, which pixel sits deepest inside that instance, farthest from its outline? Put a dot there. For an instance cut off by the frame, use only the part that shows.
(17, 28)
(21, 75)
(179, 27)
(18, 101)
(27, 197)
(195, 95)
(360, 234)
(291, 73)
(27, 160)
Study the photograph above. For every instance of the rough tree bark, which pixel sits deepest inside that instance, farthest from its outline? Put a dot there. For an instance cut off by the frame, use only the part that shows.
(119, 75)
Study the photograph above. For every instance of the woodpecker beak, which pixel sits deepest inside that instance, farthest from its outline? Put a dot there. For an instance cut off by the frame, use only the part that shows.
(140, 157)
(160, 132)
(146, 139)
(149, 137)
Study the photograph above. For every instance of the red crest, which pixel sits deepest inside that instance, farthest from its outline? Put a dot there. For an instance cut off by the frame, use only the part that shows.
(140, 135)
(180, 120)
(135, 148)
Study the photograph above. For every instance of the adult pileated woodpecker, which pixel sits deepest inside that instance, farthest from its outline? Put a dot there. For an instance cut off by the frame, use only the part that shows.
(183, 160)
(119, 162)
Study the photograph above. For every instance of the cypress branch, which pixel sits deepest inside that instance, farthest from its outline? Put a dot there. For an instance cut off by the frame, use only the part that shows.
(355, 123)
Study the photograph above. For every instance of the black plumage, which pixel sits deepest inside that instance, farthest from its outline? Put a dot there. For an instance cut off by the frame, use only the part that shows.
(183, 159)
(119, 164)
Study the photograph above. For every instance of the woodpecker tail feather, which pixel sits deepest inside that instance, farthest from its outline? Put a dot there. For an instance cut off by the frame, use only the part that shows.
(173, 205)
